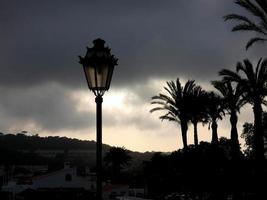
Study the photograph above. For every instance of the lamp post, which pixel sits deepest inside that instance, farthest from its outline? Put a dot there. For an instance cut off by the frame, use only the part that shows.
(98, 65)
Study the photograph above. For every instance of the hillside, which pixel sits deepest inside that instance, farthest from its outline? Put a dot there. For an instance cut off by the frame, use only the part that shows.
(21, 141)
(23, 149)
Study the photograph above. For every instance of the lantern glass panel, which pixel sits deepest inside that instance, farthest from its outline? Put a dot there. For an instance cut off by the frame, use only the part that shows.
(90, 76)
(97, 77)
(102, 74)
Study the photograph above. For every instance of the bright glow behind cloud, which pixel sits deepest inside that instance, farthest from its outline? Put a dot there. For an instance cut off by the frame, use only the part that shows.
(128, 122)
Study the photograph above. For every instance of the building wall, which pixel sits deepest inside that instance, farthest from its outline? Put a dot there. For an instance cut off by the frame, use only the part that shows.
(59, 180)
(54, 180)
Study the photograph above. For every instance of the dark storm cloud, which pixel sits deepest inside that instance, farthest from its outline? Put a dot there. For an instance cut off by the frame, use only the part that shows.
(40, 41)
(48, 107)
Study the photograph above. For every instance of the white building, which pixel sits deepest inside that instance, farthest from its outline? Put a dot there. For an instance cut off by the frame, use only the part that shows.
(64, 178)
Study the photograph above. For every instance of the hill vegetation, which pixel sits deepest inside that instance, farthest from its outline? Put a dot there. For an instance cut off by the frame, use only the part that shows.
(24, 149)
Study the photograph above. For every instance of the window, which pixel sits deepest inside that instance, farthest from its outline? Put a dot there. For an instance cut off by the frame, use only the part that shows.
(68, 177)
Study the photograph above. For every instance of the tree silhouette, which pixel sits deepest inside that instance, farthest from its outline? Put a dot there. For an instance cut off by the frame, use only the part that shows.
(248, 135)
(177, 104)
(198, 110)
(117, 158)
(215, 112)
(233, 101)
(253, 83)
(258, 8)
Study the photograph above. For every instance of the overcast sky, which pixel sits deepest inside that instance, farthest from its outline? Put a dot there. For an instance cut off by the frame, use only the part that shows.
(43, 88)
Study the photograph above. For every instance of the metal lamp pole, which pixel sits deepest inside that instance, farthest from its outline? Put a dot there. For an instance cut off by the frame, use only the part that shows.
(99, 101)
(98, 65)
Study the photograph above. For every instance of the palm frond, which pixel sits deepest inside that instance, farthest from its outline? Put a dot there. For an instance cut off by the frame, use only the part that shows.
(156, 109)
(258, 8)
(254, 40)
(229, 75)
(188, 87)
(165, 117)
(237, 18)
(179, 88)
(261, 71)
(170, 92)
(248, 69)
(264, 102)
(246, 24)
(220, 86)
(258, 68)
(158, 102)
(262, 4)
(171, 88)
(248, 27)
(252, 8)
(165, 98)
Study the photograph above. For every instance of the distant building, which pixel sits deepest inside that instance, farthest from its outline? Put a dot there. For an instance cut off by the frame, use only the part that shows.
(72, 153)
(49, 153)
(65, 178)
(81, 153)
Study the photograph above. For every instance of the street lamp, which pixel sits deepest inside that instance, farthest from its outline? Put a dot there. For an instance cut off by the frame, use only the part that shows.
(98, 65)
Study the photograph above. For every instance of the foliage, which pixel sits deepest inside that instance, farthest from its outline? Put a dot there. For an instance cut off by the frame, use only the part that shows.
(198, 109)
(256, 24)
(233, 100)
(254, 86)
(248, 135)
(25, 142)
(117, 158)
(253, 82)
(232, 95)
(215, 112)
(215, 108)
(205, 168)
(23, 149)
(177, 104)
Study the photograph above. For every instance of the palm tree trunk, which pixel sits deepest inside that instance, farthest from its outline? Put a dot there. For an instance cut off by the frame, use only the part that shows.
(184, 133)
(214, 127)
(258, 144)
(258, 134)
(235, 150)
(195, 134)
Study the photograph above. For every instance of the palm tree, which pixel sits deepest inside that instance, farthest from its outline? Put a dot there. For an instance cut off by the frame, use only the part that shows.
(253, 83)
(215, 112)
(117, 158)
(198, 110)
(258, 8)
(177, 104)
(233, 100)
